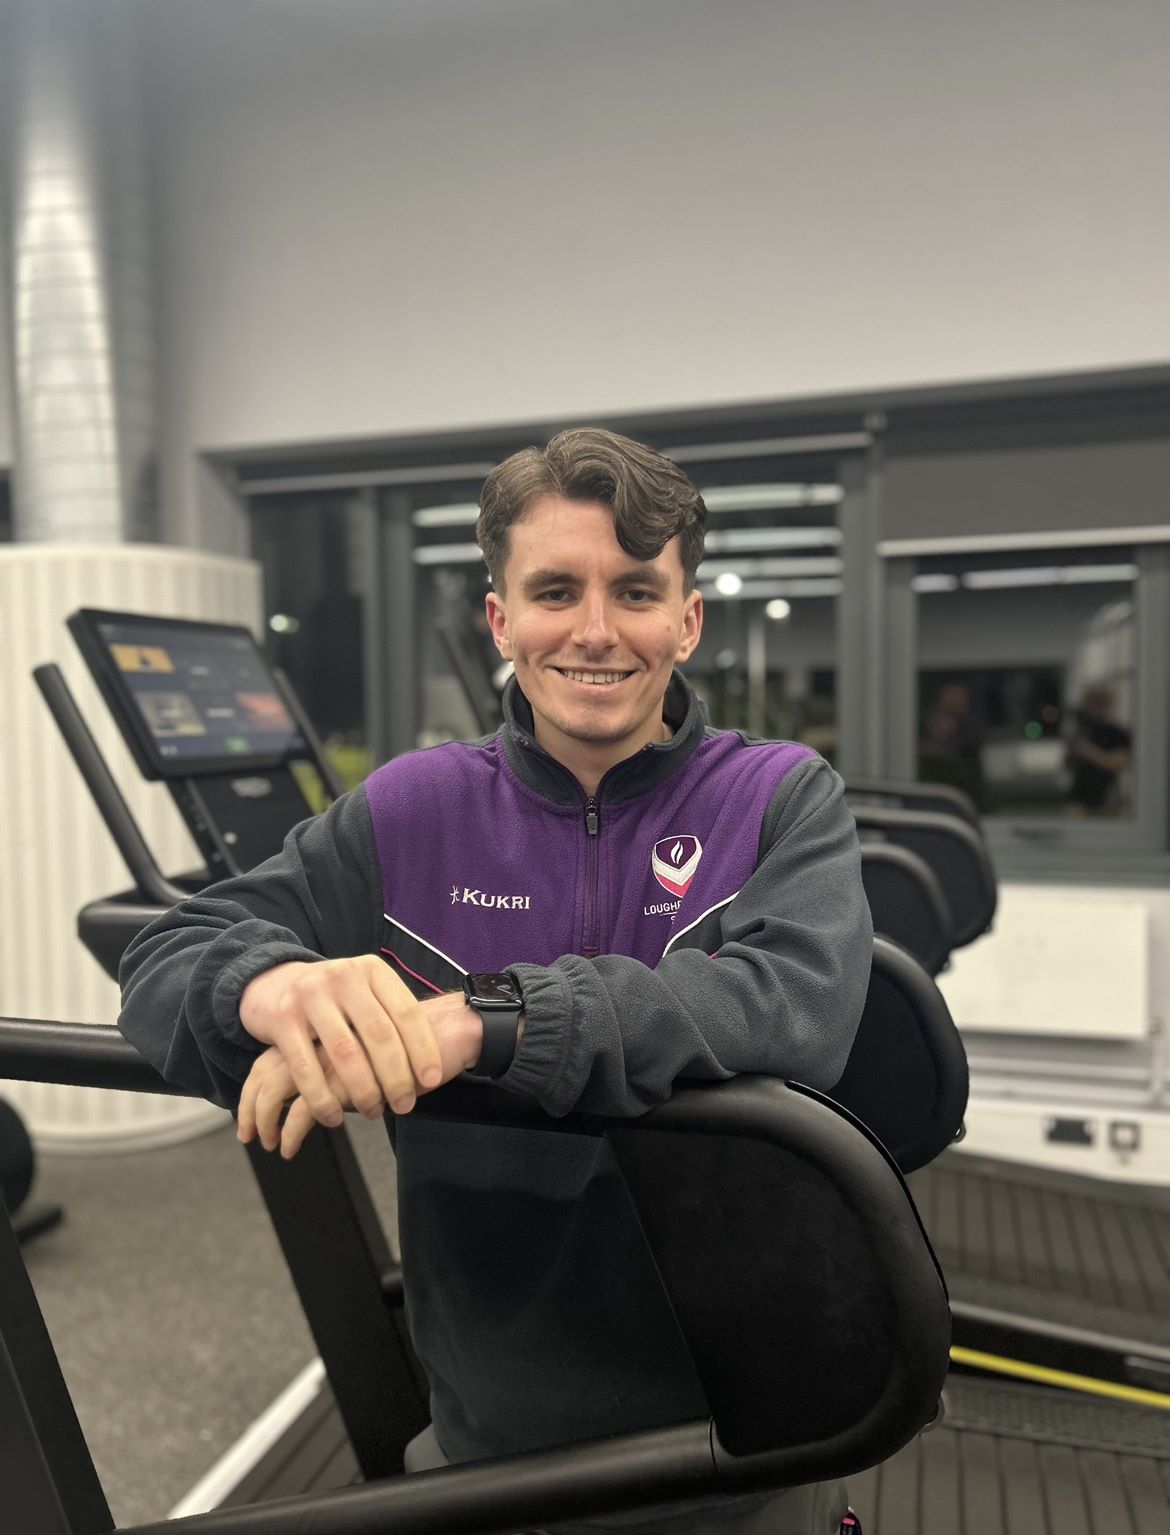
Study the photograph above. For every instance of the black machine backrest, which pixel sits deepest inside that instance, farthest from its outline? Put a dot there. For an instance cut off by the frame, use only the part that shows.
(906, 1078)
(776, 1211)
(898, 794)
(954, 850)
(787, 1244)
(907, 903)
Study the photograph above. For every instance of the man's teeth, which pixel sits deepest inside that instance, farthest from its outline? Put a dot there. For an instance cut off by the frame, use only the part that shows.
(597, 677)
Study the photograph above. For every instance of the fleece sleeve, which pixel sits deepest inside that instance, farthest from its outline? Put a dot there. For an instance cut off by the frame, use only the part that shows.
(183, 976)
(781, 995)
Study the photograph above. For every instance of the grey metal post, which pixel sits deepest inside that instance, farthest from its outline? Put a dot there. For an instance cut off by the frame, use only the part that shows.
(757, 668)
(856, 623)
(397, 627)
(901, 672)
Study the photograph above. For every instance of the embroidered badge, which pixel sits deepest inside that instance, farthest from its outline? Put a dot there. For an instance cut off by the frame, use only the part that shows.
(674, 861)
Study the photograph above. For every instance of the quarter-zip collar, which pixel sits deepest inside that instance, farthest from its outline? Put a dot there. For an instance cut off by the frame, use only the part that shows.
(647, 768)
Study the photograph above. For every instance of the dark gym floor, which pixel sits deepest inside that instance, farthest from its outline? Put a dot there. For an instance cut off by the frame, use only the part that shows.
(170, 1306)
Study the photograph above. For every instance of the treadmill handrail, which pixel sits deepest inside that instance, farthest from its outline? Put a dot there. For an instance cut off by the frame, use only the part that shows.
(92, 765)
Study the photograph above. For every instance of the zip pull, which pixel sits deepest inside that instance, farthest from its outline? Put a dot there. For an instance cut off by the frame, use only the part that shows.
(592, 816)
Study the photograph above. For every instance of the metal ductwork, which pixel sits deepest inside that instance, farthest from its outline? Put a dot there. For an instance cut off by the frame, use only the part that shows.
(79, 275)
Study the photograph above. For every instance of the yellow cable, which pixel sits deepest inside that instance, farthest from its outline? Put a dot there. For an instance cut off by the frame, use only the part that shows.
(1049, 1377)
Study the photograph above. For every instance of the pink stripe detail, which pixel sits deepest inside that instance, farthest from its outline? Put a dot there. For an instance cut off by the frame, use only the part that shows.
(438, 990)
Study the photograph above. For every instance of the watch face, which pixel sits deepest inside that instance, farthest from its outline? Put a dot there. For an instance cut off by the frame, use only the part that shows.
(497, 988)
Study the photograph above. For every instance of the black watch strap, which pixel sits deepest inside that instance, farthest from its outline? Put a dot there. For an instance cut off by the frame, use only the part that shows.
(500, 1027)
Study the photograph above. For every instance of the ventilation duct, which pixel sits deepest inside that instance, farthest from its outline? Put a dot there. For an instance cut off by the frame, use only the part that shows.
(78, 270)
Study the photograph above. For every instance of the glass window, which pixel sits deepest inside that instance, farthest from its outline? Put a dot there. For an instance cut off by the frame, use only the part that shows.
(312, 550)
(461, 669)
(1026, 680)
(770, 580)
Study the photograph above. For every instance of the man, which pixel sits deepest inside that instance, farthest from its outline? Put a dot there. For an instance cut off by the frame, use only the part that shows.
(656, 899)
(1099, 752)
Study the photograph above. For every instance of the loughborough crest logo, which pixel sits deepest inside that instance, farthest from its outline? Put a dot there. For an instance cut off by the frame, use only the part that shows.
(674, 862)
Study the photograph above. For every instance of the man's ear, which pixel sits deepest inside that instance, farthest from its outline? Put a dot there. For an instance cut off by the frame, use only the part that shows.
(498, 623)
(692, 627)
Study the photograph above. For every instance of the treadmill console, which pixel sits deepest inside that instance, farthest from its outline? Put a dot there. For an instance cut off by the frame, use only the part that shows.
(191, 698)
(200, 709)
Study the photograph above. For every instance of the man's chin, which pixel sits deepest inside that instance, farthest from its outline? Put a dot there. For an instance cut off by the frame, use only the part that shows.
(590, 727)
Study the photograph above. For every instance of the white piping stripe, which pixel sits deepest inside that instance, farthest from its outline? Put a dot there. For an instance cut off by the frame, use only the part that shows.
(425, 944)
(684, 930)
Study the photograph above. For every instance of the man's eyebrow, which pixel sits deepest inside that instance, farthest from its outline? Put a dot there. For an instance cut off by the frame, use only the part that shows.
(535, 579)
(644, 575)
(635, 575)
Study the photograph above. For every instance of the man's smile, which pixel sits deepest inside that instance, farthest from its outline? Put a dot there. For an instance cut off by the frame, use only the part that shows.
(592, 678)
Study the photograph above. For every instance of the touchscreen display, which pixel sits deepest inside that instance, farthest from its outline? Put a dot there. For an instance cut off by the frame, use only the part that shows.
(203, 691)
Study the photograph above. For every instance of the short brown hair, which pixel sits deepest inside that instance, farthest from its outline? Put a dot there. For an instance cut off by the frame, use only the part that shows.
(651, 499)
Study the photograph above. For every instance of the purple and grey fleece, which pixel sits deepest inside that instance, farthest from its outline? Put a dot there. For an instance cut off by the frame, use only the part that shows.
(701, 916)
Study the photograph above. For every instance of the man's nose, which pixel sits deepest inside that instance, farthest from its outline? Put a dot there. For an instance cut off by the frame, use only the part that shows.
(594, 629)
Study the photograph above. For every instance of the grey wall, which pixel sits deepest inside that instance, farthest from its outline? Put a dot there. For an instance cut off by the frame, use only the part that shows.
(386, 217)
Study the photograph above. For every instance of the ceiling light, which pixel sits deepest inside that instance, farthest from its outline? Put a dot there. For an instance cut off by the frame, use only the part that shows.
(446, 554)
(459, 516)
(778, 608)
(710, 570)
(766, 589)
(1048, 575)
(1075, 575)
(728, 584)
(988, 580)
(773, 538)
(761, 498)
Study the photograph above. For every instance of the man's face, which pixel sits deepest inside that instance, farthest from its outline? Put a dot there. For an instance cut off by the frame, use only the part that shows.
(593, 632)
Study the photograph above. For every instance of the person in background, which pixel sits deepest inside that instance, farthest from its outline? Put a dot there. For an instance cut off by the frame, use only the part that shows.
(1099, 751)
(950, 750)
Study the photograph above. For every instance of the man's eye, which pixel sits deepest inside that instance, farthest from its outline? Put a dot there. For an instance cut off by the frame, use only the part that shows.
(555, 594)
(638, 594)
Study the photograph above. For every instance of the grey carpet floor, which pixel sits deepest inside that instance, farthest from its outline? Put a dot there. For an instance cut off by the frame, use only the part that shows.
(170, 1306)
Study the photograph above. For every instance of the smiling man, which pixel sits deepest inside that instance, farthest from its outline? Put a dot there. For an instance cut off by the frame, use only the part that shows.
(604, 897)
(593, 631)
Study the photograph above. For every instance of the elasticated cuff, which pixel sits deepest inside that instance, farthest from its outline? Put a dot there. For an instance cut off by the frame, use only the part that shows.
(539, 1063)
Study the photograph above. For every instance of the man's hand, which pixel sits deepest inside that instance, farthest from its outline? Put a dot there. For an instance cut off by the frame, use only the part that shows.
(373, 1034)
(269, 1087)
(458, 1035)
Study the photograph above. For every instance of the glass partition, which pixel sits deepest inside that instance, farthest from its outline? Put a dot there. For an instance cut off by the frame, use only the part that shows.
(1027, 680)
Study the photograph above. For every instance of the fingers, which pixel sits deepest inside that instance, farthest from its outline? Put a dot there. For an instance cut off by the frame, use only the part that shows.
(330, 1015)
(268, 1087)
(298, 1122)
(293, 1034)
(348, 1032)
(411, 1024)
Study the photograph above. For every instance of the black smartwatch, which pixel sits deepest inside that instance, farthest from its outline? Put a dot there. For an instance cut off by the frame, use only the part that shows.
(496, 997)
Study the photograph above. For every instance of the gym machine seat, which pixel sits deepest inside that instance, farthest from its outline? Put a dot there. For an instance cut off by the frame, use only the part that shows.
(899, 794)
(907, 903)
